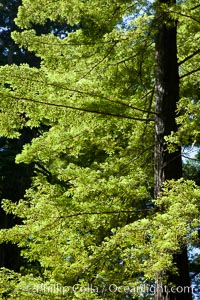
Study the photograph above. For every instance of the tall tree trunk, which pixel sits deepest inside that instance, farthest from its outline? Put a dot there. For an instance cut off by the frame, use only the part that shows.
(168, 165)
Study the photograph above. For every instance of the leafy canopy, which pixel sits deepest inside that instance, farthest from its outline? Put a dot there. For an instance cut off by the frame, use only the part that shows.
(89, 215)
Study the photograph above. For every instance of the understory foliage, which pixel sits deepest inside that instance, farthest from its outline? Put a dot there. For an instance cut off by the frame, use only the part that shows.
(89, 217)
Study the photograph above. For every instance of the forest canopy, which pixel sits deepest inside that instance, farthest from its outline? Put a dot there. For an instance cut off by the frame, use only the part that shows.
(113, 106)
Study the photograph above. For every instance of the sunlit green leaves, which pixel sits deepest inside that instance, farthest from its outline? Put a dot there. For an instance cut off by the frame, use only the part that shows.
(89, 214)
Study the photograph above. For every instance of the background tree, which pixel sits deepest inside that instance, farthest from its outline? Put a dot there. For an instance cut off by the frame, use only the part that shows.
(15, 179)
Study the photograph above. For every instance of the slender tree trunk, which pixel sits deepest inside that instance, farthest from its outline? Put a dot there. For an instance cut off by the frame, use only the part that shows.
(168, 165)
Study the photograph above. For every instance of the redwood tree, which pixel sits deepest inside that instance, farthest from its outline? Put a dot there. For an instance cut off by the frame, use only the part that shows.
(90, 216)
(168, 165)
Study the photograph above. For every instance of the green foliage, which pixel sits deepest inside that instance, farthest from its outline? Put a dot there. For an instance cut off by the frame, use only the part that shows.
(89, 216)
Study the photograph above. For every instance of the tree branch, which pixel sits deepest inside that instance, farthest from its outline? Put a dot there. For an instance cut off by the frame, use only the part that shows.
(94, 95)
(99, 62)
(190, 158)
(184, 15)
(189, 57)
(189, 73)
(195, 7)
(124, 166)
(105, 98)
(78, 108)
(105, 212)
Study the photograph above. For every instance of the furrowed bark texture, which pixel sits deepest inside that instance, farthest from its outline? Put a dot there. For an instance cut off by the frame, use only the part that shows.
(168, 165)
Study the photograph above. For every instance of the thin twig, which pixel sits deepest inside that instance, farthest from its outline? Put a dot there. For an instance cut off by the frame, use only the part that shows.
(99, 62)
